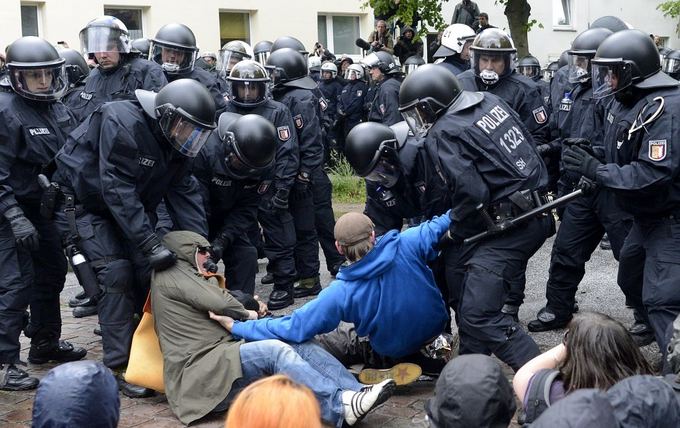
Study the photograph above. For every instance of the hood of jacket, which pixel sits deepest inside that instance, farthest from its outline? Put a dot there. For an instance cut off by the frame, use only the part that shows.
(184, 244)
(584, 408)
(376, 261)
(644, 401)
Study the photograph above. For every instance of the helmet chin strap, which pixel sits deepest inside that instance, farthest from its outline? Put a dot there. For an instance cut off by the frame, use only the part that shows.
(489, 77)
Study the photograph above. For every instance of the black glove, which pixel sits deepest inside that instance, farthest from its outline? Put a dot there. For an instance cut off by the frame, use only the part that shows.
(24, 232)
(578, 160)
(280, 199)
(210, 266)
(302, 185)
(543, 149)
(160, 258)
(217, 249)
(576, 142)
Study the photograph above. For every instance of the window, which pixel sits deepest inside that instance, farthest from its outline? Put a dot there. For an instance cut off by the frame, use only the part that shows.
(132, 18)
(562, 14)
(338, 33)
(30, 20)
(234, 26)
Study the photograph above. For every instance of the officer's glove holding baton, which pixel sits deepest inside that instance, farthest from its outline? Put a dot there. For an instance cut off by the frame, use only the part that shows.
(24, 232)
(577, 159)
(160, 258)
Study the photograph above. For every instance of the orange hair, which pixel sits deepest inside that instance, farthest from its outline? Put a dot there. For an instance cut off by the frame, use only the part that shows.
(274, 402)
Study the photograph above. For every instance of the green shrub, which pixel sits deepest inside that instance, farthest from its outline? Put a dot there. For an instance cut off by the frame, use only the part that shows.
(347, 186)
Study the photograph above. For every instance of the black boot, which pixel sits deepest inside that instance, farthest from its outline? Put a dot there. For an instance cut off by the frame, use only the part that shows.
(78, 299)
(15, 379)
(546, 320)
(641, 333)
(267, 279)
(307, 287)
(279, 299)
(131, 390)
(87, 307)
(59, 351)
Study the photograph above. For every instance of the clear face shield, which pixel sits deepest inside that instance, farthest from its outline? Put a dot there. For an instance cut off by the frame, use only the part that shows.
(172, 59)
(352, 74)
(248, 93)
(579, 67)
(419, 117)
(610, 77)
(409, 68)
(548, 74)
(387, 170)
(262, 57)
(237, 166)
(228, 59)
(40, 84)
(104, 39)
(184, 135)
(529, 71)
(671, 66)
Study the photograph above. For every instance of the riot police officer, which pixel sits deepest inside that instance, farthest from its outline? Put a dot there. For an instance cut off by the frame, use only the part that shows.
(640, 167)
(293, 88)
(112, 172)
(487, 157)
(530, 67)
(385, 74)
(261, 51)
(248, 87)
(455, 48)
(351, 99)
(118, 74)
(231, 54)
(34, 125)
(411, 64)
(234, 170)
(174, 49)
(331, 87)
(76, 72)
(141, 47)
(672, 64)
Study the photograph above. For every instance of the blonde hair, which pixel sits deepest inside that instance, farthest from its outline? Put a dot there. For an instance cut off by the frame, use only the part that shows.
(355, 252)
(274, 402)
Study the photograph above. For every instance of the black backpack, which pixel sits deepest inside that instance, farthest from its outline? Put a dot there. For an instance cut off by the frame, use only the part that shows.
(538, 395)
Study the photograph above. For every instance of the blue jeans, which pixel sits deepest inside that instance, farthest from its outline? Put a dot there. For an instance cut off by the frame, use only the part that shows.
(306, 363)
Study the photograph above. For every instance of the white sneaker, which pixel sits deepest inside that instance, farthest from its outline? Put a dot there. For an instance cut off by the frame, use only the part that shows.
(357, 404)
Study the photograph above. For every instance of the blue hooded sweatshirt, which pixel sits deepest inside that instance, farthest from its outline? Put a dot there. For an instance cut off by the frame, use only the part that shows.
(389, 295)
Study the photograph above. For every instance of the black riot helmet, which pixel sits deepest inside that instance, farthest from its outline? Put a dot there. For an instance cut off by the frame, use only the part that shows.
(611, 23)
(383, 60)
(582, 50)
(427, 92)
(141, 47)
(529, 66)
(288, 68)
(492, 46)
(174, 49)
(35, 69)
(550, 71)
(261, 50)
(248, 84)
(290, 42)
(626, 59)
(411, 63)
(231, 54)
(75, 66)
(185, 111)
(563, 59)
(371, 148)
(672, 65)
(105, 34)
(250, 145)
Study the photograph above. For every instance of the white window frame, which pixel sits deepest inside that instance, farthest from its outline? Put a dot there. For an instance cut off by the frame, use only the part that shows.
(566, 27)
(141, 9)
(329, 33)
(39, 15)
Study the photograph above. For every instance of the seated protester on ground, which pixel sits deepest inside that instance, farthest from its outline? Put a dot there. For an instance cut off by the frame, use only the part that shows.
(384, 287)
(471, 391)
(274, 402)
(202, 372)
(586, 408)
(673, 356)
(406, 45)
(644, 401)
(597, 352)
(77, 394)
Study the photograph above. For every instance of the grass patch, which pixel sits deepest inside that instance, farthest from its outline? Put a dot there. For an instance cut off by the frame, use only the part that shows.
(347, 186)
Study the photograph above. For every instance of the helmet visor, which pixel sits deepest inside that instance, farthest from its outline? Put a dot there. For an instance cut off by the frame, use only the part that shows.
(104, 39)
(248, 93)
(671, 65)
(529, 70)
(419, 117)
(237, 166)
(174, 60)
(410, 68)
(385, 173)
(228, 59)
(40, 84)
(262, 57)
(579, 66)
(610, 78)
(184, 135)
(351, 74)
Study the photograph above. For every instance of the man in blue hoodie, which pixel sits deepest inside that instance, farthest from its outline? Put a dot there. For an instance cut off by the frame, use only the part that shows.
(385, 289)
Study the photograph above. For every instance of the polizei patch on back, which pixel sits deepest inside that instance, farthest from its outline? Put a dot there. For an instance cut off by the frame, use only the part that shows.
(492, 120)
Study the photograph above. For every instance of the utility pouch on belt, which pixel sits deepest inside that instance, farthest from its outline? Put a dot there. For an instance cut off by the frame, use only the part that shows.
(48, 201)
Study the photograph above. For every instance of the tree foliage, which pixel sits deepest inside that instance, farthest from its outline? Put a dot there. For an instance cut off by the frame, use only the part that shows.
(671, 9)
(429, 12)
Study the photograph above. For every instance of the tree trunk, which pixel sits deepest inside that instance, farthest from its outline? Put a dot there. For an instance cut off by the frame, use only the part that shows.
(517, 12)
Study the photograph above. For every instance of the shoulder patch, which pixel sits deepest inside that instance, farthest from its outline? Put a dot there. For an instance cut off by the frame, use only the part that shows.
(284, 133)
(323, 103)
(657, 150)
(299, 123)
(382, 108)
(540, 115)
(610, 117)
(264, 186)
(359, 92)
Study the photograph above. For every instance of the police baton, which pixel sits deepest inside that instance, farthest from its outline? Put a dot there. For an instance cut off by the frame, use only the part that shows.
(585, 186)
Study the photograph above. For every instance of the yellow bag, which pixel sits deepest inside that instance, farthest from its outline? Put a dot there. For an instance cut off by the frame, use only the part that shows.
(145, 367)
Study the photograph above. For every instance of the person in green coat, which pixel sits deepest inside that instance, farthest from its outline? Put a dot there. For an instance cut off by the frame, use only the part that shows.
(205, 367)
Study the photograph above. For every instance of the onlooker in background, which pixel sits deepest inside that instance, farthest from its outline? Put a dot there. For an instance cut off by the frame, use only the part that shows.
(381, 39)
(597, 352)
(482, 23)
(471, 391)
(77, 394)
(466, 12)
(406, 45)
(274, 402)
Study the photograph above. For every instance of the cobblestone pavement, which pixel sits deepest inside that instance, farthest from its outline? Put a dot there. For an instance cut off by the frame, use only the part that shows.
(598, 291)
